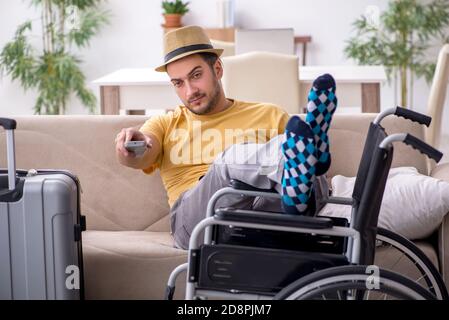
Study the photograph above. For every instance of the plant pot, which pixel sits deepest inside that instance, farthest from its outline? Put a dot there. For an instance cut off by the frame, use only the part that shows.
(172, 20)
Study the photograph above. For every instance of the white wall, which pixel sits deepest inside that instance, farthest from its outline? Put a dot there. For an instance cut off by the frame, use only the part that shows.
(134, 38)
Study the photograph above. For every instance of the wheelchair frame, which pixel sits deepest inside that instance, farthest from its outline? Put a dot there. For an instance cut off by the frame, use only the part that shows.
(306, 225)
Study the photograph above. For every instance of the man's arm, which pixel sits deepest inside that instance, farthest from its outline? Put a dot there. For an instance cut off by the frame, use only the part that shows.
(128, 158)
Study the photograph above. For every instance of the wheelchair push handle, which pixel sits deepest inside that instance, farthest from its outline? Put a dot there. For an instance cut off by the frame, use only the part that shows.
(423, 147)
(413, 116)
(405, 113)
(414, 142)
(10, 125)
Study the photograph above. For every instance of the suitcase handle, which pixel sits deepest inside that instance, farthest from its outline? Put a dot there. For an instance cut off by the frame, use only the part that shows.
(10, 126)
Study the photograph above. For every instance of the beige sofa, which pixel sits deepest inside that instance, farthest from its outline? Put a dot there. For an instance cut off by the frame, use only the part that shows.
(128, 250)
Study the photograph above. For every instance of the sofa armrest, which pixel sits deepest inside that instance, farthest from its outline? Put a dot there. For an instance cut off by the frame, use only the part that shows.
(442, 172)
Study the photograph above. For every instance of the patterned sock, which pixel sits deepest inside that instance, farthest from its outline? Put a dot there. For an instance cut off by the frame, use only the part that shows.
(299, 167)
(322, 103)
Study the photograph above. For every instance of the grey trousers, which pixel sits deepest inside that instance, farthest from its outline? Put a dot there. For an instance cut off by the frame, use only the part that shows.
(259, 165)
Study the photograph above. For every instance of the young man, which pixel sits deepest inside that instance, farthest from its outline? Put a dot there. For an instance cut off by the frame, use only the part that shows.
(200, 146)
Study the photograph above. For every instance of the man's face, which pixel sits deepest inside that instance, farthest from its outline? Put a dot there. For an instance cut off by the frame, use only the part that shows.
(196, 84)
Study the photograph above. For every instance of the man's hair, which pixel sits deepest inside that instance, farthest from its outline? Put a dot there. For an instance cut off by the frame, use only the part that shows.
(210, 58)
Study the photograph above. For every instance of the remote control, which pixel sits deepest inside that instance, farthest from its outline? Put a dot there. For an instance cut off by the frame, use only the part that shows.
(137, 147)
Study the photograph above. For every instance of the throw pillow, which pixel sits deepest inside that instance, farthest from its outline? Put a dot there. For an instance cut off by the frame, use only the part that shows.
(413, 204)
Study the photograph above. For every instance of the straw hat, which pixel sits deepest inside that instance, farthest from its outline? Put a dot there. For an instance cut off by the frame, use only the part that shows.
(183, 42)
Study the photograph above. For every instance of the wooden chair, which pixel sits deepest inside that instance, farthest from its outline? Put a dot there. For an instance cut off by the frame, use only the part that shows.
(263, 77)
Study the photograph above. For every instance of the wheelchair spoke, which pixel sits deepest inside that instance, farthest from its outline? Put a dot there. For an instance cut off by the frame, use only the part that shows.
(421, 278)
(352, 295)
(425, 277)
(339, 295)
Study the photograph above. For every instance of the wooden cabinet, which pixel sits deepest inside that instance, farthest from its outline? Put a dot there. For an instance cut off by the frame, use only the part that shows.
(304, 40)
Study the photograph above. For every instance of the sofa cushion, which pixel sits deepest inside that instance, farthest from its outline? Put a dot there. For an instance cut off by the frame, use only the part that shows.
(130, 264)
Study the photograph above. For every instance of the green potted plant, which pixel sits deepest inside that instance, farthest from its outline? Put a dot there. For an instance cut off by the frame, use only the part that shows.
(54, 69)
(400, 40)
(173, 12)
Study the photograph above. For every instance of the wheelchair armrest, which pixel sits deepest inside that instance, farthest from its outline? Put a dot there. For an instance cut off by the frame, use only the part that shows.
(339, 200)
(273, 218)
(239, 185)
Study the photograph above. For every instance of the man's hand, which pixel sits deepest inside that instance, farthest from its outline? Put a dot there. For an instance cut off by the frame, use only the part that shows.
(130, 134)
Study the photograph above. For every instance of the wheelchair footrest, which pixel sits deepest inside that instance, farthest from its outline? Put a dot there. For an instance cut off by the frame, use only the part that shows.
(258, 270)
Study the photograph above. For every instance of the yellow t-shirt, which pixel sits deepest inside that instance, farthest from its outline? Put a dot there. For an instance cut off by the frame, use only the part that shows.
(191, 142)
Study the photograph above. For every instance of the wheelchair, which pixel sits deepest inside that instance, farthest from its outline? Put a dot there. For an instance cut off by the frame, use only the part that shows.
(249, 254)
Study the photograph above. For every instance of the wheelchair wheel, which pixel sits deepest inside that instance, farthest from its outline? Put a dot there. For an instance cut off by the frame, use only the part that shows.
(351, 283)
(405, 255)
